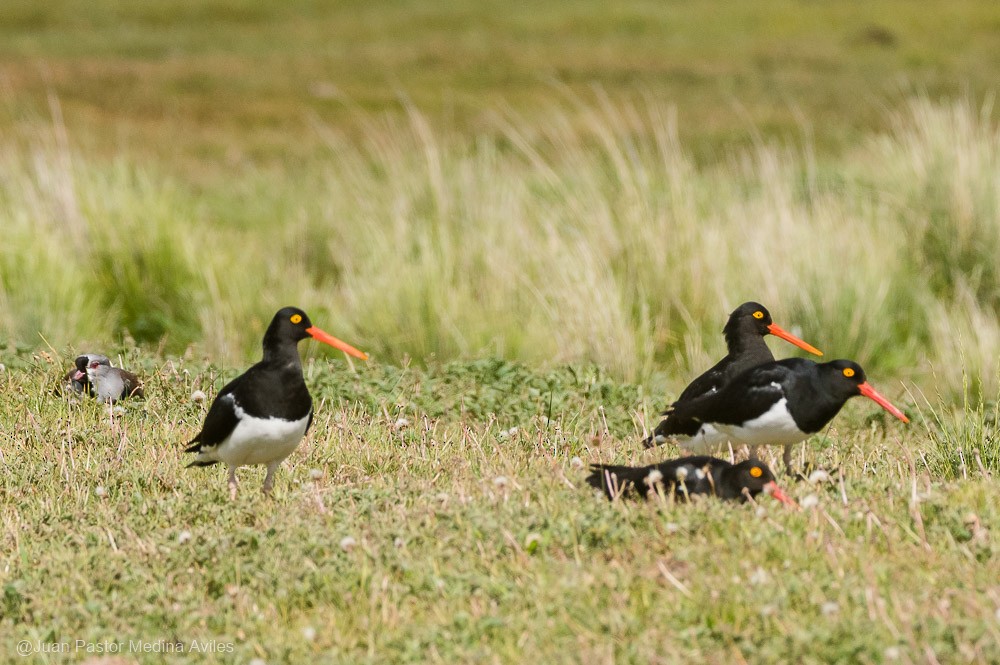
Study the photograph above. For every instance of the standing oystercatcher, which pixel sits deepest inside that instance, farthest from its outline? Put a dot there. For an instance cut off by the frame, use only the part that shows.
(689, 475)
(744, 332)
(260, 416)
(777, 403)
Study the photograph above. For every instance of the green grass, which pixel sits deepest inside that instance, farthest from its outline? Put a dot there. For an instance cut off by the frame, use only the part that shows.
(182, 81)
(475, 543)
(536, 217)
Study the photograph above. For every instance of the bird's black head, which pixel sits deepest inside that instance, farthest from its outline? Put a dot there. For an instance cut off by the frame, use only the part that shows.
(753, 477)
(751, 319)
(845, 379)
(750, 316)
(291, 325)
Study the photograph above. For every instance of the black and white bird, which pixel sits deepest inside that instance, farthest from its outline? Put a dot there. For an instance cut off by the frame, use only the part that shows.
(778, 403)
(95, 376)
(261, 416)
(681, 478)
(744, 332)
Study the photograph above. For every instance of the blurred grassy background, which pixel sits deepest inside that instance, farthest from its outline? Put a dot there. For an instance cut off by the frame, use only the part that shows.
(540, 181)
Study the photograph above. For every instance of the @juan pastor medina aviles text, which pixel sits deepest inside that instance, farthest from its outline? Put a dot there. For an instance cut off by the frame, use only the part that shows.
(28, 647)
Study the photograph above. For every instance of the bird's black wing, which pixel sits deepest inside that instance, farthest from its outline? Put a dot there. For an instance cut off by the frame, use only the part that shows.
(708, 382)
(744, 398)
(220, 421)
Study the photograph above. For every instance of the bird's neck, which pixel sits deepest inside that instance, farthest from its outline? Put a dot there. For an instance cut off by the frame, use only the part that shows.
(741, 342)
(283, 355)
(725, 485)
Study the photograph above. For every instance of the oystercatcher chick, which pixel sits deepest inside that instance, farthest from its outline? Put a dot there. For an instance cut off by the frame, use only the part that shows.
(261, 416)
(680, 478)
(777, 403)
(744, 332)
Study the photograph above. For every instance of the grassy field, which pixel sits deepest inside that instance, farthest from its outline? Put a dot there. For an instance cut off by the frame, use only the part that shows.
(536, 217)
(439, 515)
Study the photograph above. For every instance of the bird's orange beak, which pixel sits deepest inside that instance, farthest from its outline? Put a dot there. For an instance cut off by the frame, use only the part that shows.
(778, 331)
(873, 395)
(327, 338)
(779, 494)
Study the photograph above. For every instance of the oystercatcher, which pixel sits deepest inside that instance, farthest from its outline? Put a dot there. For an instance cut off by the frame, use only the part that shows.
(744, 332)
(683, 477)
(76, 379)
(260, 416)
(777, 403)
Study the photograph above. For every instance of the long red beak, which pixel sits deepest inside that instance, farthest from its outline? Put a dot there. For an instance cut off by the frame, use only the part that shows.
(327, 338)
(776, 492)
(778, 331)
(873, 395)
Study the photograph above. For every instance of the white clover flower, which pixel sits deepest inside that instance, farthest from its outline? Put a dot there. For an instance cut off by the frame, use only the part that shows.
(309, 633)
(100, 492)
(183, 537)
(401, 423)
(654, 476)
(347, 543)
(500, 481)
(819, 476)
(198, 396)
(810, 501)
(576, 463)
(759, 577)
(315, 474)
(829, 608)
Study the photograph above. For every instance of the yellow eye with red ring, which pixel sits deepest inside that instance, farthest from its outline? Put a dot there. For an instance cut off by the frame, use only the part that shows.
(296, 319)
(758, 314)
(848, 372)
(756, 472)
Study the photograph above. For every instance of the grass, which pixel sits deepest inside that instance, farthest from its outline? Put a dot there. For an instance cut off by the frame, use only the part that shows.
(536, 216)
(474, 537)
(180, 81)
(555, 244)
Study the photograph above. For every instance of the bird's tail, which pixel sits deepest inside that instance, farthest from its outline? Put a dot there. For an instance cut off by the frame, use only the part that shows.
(616, 481)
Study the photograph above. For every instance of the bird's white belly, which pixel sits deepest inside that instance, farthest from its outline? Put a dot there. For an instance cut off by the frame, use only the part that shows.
(261, 440)
(707, 440)
(775, 427)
